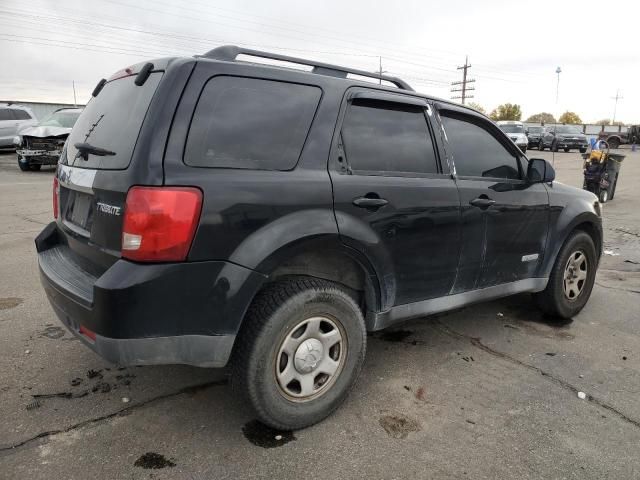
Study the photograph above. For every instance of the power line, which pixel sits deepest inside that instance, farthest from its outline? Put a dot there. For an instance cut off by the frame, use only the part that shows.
(464, 88)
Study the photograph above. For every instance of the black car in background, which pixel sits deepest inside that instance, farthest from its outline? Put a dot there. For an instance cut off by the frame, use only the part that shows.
(533, 135)
(564, 137)
(212, 211)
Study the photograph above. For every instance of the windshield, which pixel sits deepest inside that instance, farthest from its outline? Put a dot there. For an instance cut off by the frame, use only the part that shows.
(61, 119)
(567, 129)
(535, 129)
(512, 128)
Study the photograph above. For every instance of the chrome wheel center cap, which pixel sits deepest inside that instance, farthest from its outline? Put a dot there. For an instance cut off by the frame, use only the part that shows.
(308, 355)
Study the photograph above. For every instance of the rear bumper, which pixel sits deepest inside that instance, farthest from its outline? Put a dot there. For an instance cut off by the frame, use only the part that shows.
(144, 314)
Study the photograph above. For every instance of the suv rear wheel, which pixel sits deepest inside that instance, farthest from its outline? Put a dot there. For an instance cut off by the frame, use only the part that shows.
(571, 279)
(300, 351)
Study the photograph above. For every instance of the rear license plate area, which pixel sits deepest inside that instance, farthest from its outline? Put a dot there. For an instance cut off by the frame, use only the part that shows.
(79, 209)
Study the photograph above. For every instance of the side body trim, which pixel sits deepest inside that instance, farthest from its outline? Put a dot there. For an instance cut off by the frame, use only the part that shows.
(399, 313)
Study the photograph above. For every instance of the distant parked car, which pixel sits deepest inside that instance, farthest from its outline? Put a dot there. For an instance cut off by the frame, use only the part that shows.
(515, 131)
(533, 136)
(14, 118)
(566, 137)
(42, 144)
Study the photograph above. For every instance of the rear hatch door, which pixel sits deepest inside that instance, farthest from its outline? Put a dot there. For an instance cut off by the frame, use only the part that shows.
(94, 185)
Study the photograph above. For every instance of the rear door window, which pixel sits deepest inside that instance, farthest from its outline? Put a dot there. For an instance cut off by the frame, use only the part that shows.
(112, 121)
(250, 123)
(5, 114)
(389, 137)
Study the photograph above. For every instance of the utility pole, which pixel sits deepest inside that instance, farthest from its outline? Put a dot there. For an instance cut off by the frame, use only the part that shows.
(75, 103)
(464, 88)
(558, 72)
(615, 107)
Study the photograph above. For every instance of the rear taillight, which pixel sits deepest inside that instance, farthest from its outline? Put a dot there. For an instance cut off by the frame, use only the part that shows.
(159, 223)
(56, 196)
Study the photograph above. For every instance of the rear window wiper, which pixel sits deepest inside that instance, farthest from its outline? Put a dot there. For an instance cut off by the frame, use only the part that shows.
(84, 149)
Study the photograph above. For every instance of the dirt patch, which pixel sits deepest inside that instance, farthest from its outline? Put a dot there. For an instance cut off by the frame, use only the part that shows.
(10, 302)
(266, 437)
(151, 460)
(399, 426)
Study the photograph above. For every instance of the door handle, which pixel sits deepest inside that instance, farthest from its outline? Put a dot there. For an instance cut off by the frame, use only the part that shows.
(482, 202)
(368, 202)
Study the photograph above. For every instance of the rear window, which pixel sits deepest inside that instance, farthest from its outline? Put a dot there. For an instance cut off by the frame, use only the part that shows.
(250, 123)
(112, 121)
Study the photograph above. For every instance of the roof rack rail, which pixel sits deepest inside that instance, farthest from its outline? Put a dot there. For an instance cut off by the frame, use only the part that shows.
(230, 52)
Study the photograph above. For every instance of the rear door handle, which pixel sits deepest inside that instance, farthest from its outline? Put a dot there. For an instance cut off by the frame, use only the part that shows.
(366, 202)
(482, 202)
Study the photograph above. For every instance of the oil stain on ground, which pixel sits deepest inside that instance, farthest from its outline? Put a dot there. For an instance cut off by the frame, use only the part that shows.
(10, 302)
(266, 437)
(393, 335)
(151, 460)
(52, 332)
(399, 426)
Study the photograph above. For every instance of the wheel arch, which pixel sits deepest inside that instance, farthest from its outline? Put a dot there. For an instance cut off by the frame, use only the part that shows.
(587, 222)
(307, 243)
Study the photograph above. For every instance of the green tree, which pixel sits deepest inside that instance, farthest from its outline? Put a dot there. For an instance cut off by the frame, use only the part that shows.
(570, 118)
(507, 111)
(542, 117)
(477, 107)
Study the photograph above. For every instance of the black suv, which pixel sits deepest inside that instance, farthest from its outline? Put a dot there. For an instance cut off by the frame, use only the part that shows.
(563, 137)
(210, 210)
(533, 136)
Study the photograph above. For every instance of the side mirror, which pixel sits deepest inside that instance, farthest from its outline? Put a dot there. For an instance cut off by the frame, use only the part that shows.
(540, 171)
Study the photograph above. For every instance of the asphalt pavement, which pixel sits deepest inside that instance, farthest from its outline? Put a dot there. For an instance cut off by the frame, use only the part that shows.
(489, 391)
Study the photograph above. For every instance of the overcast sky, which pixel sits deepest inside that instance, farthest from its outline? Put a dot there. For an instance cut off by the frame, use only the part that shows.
(514, 47)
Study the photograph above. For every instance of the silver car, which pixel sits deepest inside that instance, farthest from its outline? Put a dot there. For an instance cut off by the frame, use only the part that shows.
(42, 144)
(13, 119)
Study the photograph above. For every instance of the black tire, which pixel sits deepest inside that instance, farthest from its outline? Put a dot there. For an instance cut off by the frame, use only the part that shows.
(567, 150)
(554, 147)
(583, 150)
(24, 164)
(541, 146)
(524, 150)
(35, 168)
(275, 315)
(603, 196)
(613, 143)
(552, 300)
(613, 189)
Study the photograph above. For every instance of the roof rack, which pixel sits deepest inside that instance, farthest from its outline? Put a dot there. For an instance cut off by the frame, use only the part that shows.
(230, 52)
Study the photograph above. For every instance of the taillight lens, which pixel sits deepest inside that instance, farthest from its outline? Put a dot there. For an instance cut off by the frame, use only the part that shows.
(160, 222)
(56, 196)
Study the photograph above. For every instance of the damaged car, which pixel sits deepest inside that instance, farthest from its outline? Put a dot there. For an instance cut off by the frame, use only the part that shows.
(42, 144)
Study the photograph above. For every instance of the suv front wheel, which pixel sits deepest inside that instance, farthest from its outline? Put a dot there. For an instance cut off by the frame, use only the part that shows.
(571, 279)
(299, 352)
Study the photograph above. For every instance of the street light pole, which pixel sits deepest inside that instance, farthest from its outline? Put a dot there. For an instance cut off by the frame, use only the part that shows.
(558, 71)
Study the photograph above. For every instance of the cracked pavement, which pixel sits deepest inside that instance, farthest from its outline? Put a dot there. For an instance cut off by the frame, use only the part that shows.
(488, 391)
